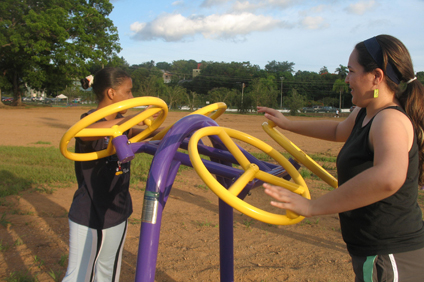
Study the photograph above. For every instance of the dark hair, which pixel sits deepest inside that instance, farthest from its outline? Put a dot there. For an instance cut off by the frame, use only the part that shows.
(410, 95)
(104, 79)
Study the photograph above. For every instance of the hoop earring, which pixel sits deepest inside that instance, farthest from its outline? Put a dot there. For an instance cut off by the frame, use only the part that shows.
(375, 93)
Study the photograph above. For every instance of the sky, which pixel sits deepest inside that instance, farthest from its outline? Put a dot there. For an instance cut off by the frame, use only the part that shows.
(309, 33)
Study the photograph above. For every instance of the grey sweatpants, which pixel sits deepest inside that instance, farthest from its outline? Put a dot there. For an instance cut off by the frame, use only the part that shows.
(95, 255)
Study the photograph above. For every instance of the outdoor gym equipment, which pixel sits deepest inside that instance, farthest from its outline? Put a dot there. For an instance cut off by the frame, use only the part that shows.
(165, 164)
(298, 154)
(251, 172)
(80, 128)
(213, 111)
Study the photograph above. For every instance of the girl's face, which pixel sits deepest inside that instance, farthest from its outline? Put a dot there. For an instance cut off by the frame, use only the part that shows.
(360, 82)
(123, 92)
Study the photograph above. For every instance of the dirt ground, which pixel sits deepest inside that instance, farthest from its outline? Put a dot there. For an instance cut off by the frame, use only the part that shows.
(37, 237)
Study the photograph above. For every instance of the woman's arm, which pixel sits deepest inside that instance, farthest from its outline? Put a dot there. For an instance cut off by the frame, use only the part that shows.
(390, 136)
(323, 129)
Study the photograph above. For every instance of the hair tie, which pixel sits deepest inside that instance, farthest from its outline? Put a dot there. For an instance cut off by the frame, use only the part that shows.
(90, 79)
(374, 49)
(412, 79)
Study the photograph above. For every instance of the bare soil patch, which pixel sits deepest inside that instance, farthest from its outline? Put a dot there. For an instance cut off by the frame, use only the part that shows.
(36, 239)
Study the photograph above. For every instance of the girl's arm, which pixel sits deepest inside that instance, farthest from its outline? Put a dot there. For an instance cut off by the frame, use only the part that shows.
(391, 138)
(113, 121)
(322, 129)
(107, 124)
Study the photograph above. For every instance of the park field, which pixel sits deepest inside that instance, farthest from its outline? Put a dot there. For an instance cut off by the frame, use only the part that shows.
(34, 225)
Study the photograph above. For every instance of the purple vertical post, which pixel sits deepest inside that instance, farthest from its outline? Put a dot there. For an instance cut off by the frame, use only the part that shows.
(226, 241)
(157, 191)
(226, 224)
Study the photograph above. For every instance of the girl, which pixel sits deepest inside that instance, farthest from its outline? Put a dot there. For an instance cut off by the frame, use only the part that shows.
(102, 204)
(379, 167)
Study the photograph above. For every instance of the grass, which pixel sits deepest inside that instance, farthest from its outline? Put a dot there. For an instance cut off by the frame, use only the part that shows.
(42, 168)
(38, 262)
(202, 186)
(62, 260)
(21, 276)
(23, 168)
(3, 247)
(55, 274)
(3, 220)
(42, 143)
(206, 224)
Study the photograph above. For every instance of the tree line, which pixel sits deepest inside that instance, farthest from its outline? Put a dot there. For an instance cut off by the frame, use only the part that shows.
(240, 85)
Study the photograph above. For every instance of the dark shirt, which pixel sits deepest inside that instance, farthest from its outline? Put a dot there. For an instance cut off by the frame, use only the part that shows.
(103, 199)
(392, 225)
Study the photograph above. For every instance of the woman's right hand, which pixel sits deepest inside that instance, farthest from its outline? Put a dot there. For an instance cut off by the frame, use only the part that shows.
(277, 117)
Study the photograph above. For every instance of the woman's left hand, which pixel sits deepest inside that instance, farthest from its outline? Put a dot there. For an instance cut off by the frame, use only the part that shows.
(288, 200)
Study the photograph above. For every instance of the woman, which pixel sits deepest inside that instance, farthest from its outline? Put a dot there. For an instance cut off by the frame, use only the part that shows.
(379, 167)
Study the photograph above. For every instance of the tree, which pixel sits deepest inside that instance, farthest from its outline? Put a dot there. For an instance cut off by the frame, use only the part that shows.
(277, 67)
(152, 86)
(174, 95)
(3, 85)
(191, 99)
(340, 86)
(264, 92)
(342, 71)
(216, 75)
(323, 70)
(164, 66)
(184, 69)
(420, 76)
(295, 101)
(58, 40)
(223, 94)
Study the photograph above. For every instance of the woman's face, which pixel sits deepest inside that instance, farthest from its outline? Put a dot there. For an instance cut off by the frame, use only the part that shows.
(360, 82)
(123, 92)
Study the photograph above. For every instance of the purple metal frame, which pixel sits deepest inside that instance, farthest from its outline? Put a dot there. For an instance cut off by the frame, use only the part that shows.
(164, 168)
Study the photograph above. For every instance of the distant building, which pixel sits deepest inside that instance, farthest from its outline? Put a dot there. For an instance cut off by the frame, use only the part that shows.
(196, 72)
(167, 76)
(33, 93)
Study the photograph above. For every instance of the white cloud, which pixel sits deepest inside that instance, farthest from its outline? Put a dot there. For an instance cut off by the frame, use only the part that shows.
(175, 27)
(313, 23)
(361, 7)
(177, 3)
(211, 3)
(262, 4)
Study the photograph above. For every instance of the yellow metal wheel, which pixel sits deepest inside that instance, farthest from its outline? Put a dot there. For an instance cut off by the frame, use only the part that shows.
(79, 129)
(251, 171)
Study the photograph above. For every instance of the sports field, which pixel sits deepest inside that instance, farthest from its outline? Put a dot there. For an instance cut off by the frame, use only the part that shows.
(34, 226)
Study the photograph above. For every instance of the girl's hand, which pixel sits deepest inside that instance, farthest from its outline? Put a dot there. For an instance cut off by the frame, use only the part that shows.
(278, 118)
(288, 200)
(155, 115)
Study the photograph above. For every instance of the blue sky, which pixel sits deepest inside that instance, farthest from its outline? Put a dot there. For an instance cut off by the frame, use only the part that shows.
(309, 33)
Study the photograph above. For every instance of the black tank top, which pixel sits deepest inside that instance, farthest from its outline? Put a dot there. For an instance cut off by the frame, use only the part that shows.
(103, 199)
(392, 225)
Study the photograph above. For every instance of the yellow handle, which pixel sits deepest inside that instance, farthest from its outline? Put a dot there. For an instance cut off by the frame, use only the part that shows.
(298, 154)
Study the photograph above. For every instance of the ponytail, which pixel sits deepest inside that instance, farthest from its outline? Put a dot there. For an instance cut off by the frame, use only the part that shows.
(412, 100)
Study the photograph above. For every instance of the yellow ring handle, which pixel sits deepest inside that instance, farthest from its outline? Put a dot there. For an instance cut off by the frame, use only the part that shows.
(79, 129)
(251, 172)
(298, 154)
(216, 109)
